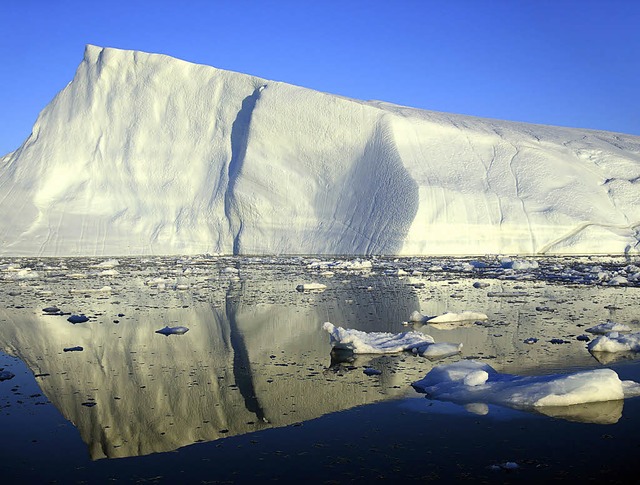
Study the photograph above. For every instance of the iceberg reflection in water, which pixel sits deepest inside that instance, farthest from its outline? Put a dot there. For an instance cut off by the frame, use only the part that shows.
(255, 355)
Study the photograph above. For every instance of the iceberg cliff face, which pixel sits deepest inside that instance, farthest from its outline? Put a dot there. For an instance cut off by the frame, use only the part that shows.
(146, 154)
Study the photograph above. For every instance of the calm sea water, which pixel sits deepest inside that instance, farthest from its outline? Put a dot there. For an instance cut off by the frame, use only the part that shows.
(252, 390)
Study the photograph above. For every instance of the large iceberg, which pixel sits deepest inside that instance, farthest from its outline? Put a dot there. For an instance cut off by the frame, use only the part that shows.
(145, 154)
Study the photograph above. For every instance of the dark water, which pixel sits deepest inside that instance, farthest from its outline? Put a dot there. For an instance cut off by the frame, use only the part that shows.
(251, 390)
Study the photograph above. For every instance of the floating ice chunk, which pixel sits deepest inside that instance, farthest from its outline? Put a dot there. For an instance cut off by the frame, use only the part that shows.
(438, 350)
(73, 349)
(104, 289)
(475, 378)
(109, 263)
(481, 284)
(5, 375)
(370, 371)
(354, 265)
(417, 317)
(458, 317)
(609, 326)
(78, 319)
(109, 272)
(375, 342)
(449, 383)
(172, 330)
(22, 274)
(311, 287)
(618, 280)
(508, 263)
(615, 342)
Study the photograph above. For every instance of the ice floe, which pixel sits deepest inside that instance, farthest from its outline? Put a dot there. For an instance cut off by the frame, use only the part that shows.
(173, 330)
(451, 317)
(375, 342)
(447, 317)
(311, 287)
(438, 350)
(616, 342)
(469, 381)
(607, 327)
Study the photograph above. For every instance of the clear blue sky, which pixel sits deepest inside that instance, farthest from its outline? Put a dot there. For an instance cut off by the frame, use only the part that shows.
(561, 62)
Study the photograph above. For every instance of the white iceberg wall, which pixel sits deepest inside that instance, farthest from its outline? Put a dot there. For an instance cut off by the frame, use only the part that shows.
(143, 154)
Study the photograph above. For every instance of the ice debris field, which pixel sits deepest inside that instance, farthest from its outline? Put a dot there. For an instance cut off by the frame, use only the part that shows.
(145, 154)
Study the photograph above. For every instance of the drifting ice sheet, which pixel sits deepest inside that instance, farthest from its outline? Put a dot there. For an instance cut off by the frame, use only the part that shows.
(467, 382)
(375, 342)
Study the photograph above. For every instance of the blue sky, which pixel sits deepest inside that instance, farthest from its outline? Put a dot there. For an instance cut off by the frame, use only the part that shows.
(560, 62)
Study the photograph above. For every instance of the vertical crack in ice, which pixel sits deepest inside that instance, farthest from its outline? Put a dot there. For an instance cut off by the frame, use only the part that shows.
(519, 196)
(241, 363)
(239, 140)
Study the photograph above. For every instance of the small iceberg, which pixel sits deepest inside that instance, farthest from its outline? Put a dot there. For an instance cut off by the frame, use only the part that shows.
(311, 287)
(172, 330)
(450, 317)
(607, 327)
(375, 342)
(469, 381)
(438, 350)
(615, 342)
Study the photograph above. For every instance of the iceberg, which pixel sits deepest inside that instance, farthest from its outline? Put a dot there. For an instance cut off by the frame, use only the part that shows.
(146, 154)
(375, 342)
(468, 381)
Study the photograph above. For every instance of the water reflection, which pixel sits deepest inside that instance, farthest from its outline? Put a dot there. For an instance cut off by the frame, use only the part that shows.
(255, 355)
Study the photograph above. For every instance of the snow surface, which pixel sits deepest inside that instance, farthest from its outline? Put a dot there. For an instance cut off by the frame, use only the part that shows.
(469, 381)
(616, 342)
(375, 342)
(145, 154)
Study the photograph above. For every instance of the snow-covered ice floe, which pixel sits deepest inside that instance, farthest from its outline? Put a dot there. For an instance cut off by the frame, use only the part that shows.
(360, 342)
(448, 317)
(469, 381)
(607, 327)
(438, 350)
(616, 342)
